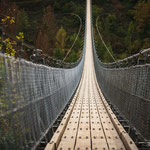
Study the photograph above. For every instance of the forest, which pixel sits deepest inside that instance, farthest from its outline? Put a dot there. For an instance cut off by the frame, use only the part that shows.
(124, 26)
(47, 24)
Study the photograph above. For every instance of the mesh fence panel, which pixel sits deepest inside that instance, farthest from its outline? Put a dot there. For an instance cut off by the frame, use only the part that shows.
(129, 90)
(31, 98)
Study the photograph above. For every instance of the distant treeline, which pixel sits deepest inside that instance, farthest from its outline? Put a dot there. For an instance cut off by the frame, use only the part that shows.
(45, 25)
(124, 25)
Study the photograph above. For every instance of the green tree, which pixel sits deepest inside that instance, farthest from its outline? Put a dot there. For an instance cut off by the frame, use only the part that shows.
(61, 39)
(96, 11)
(78, 42)
(146, 43)
(142, 16)
(110, 23)
(72, 57)
(49, 24)
(131, 34)
(58, 53)
(22, 22)
(132, 41)
(131, 31)
(100, 50)
(107, 56)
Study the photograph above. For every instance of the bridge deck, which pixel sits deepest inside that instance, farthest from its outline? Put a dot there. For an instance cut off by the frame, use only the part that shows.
(89, 123)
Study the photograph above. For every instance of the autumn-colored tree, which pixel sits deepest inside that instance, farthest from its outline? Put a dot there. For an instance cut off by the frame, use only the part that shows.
(126, 27)
(61, 39)
(49, 23)
(118, 7)
(7, 45)
(45, 38)
(10, 10)
(42, 42)
(142, 16)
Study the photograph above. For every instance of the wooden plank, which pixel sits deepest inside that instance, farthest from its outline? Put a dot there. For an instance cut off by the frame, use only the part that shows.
(111, 135)
(97, 135)
(83, 140)
(69, 137)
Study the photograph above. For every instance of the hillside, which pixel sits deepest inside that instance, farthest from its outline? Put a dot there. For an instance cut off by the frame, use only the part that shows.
(41, 21)
(124, 25)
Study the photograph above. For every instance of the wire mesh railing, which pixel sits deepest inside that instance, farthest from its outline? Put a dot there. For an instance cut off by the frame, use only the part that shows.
(128, 88)
(31, 98)
(141, 58)
(32, 92)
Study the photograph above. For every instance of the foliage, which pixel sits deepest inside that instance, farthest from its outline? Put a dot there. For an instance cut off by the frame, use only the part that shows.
(142, 16)
(9, 47)
(78, 42)
(125, 27)
(37, 20)
(58, 53)
(96, 11)
(7, 20)
(22, 21)
(7, 133)
(8, 42)
(72, 57)
(20, 36)
(110, 23)
(61, 38)
(49, 24)
(146, 43)
(107, 56)
(100, 49)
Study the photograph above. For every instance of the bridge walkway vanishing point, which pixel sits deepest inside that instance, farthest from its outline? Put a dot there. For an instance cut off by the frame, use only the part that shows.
(89, 122)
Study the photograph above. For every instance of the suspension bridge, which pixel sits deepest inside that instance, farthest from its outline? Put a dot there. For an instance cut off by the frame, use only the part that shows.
(90, 105)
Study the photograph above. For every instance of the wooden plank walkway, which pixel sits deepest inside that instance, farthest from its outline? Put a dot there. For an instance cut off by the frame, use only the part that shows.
(89, 123)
